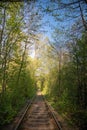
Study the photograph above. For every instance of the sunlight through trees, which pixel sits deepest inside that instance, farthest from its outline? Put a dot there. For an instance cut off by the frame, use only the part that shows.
(43, 45)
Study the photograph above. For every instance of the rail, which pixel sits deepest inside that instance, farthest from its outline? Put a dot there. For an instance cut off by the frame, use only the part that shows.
(23, 115)
(53, 115)
(48, 109)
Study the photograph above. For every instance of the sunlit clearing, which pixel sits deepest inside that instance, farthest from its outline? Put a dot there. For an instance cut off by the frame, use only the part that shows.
(32, 55)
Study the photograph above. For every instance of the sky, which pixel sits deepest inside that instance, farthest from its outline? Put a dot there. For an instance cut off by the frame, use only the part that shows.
(50, 23)
(61, 23)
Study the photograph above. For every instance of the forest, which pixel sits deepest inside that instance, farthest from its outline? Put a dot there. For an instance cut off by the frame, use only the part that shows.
(31, 58)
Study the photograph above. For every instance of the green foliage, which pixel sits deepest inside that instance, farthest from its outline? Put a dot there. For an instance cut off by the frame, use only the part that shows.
(70, 96)
(17, 82)
(6, 110)
(80, 119)
(15, 96)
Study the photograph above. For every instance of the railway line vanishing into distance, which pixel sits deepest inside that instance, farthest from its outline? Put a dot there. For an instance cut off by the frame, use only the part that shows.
(38, 116)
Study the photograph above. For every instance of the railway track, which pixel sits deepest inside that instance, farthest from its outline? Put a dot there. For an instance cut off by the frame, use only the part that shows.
(38, 116)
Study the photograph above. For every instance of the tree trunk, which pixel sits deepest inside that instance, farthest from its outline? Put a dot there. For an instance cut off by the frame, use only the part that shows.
(21, 66)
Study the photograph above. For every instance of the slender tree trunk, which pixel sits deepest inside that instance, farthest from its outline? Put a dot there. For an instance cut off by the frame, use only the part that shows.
(59, 69)
(21, 66)
(2, 30)
(82, 16)
(79, 87)
(4, 74)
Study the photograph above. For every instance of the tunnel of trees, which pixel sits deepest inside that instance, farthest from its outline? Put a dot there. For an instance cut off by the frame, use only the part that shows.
(29, 60)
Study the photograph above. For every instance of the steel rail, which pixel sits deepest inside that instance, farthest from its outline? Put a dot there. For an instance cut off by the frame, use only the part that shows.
(52, 113)
(23, 115)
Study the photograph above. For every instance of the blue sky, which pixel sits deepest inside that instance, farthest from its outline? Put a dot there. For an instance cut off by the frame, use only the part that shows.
(63, 23)
(49, 22)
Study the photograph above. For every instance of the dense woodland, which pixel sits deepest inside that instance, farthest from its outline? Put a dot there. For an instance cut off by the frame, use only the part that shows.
(58, 69)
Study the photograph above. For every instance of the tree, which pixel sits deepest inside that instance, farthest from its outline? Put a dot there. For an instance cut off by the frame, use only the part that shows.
(15, 42)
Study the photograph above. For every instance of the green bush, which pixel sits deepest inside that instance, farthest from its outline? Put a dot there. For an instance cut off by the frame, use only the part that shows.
(6, 111)
(80, 118)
